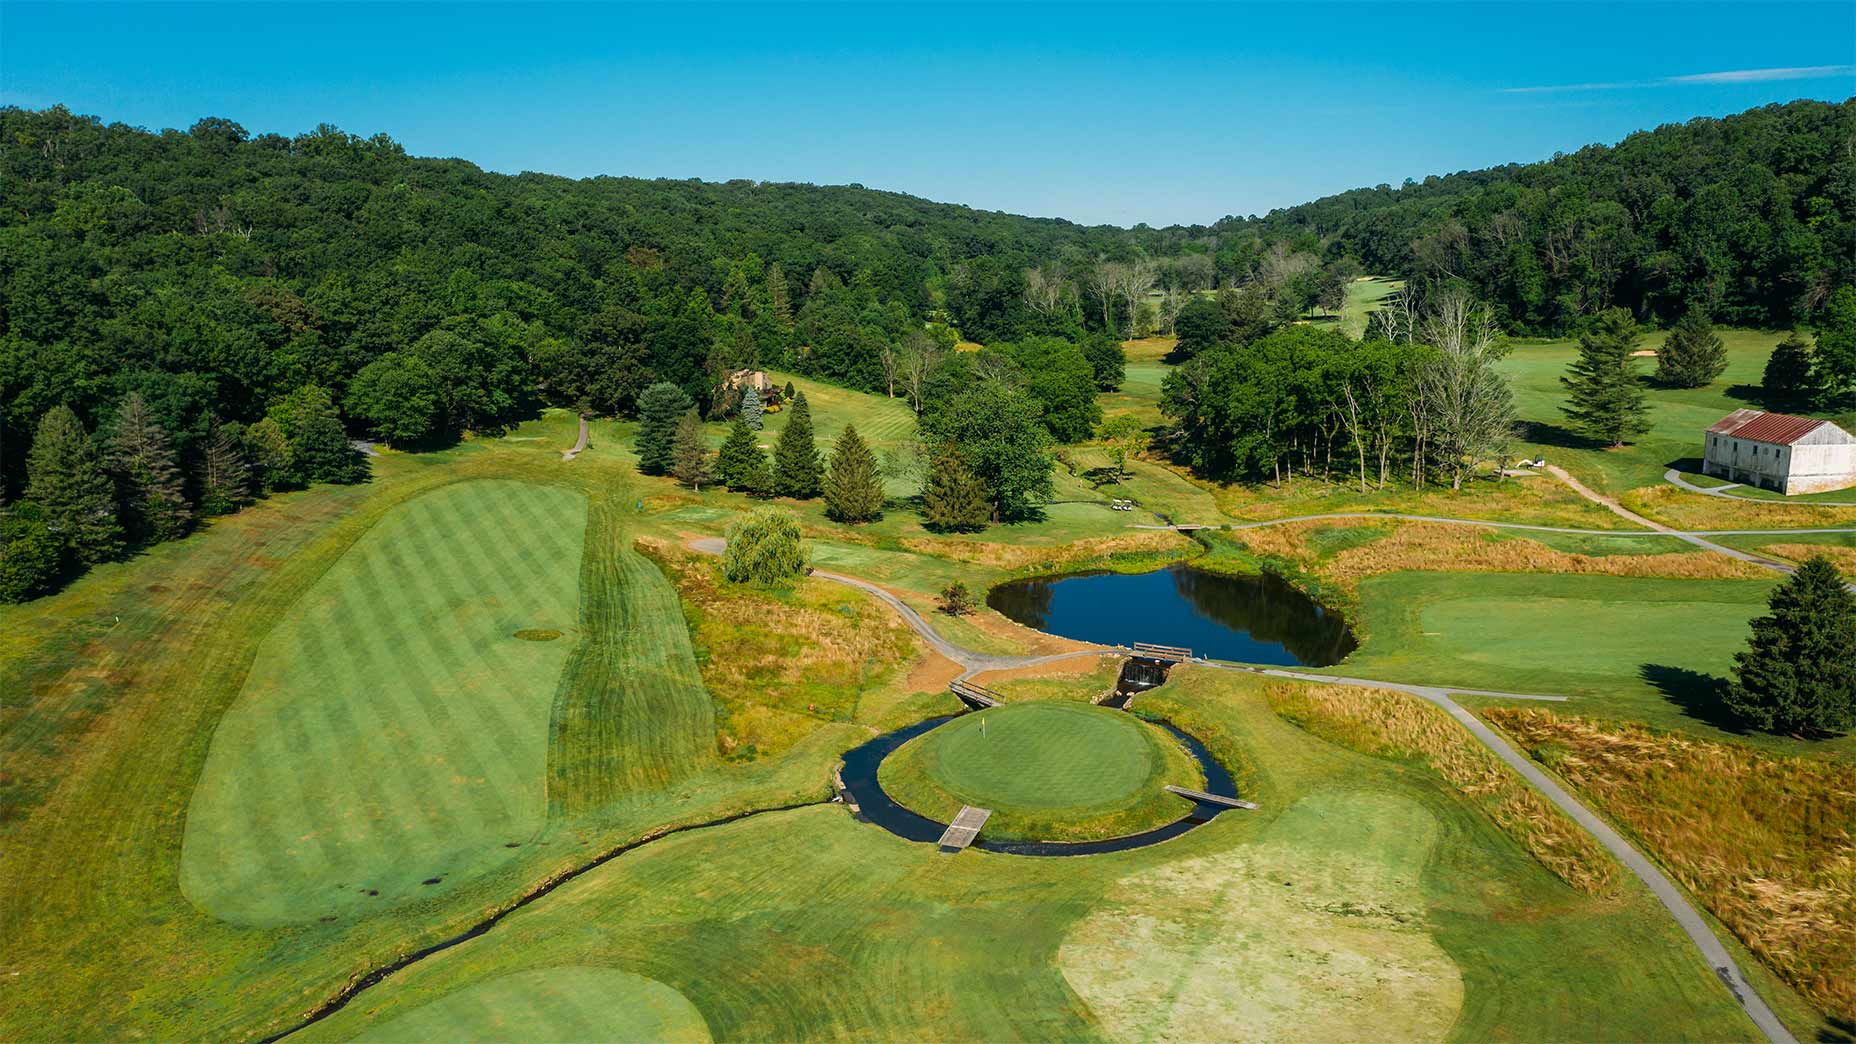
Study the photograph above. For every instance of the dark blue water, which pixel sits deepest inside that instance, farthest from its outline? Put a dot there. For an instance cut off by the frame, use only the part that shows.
(862, 763)
(1246, 619)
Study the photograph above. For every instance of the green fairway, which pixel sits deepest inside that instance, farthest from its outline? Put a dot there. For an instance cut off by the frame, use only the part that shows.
(1048, 771)
(1624, 647)
(392, 734)
(552, 1004)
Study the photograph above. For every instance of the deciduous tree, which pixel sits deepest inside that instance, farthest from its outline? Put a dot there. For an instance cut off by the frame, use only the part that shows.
(764, 549)
(31, 555)
(1788, 380)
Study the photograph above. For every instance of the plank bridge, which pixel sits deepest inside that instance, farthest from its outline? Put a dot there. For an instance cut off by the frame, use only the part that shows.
(965, 827)
(1210, 799)
(1164, 653)
(977, 695)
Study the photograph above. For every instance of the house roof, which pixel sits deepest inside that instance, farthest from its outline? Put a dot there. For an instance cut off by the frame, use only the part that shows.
(1779, 429)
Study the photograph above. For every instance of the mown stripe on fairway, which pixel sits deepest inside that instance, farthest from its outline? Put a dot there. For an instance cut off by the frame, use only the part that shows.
(631, 712)
(586, 1003)
(392, 730)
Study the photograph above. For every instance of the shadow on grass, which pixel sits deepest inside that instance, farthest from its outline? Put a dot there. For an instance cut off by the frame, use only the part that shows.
(1701, 696)
(1686, 465)
(1544, 433)
(1838, 1031)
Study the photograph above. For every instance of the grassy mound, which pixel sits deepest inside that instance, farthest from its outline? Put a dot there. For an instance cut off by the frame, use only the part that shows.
(553, 1004)
(391, 736)
(1049, 772)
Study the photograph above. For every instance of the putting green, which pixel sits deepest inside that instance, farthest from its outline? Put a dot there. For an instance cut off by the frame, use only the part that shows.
(552, 1004)
(1048, 771)
(391, 737)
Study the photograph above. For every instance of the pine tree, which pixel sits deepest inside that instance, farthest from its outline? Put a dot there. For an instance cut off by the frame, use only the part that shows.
(954, 501)
(225, 477)
(1692, 356)
(66, 479)
(1788, 380)
(660, 407)
(143, 460)
(689, 457)
(779, 303)
(738, 460)
(853, 487)
(1798, 673)
(752, 408)
(796, 468)
(1607, 402)
(757, 479)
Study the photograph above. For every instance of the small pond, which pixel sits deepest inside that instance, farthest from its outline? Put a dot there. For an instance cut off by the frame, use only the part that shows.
(1260, 619)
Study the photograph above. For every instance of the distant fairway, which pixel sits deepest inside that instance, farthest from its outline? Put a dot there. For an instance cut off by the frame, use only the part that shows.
(392, 731)
(1049, 771)
(552, 1004)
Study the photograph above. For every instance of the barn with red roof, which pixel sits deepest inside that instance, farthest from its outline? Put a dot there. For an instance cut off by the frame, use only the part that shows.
(1780, 452)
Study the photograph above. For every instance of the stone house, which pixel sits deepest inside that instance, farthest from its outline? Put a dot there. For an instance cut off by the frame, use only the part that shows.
(1780, 452)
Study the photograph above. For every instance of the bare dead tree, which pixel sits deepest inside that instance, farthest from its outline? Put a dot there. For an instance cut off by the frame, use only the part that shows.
(1105, 280)
(891, 359)
(1470, 407)
(920, 355)
(1133, 281)
(1046, 291)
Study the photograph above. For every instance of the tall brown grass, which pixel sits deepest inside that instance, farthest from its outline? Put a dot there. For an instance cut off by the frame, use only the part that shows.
(1440, 547)
(1021, 556)
(1766, 842)
(1685, 510)
(1843, 557)
(1392, 724)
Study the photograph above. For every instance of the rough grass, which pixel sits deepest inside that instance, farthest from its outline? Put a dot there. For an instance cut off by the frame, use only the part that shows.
(779, 664)
(1767, 843)
(1843, 558)
(630, 712)
(1682, 509)
(1048, 772)
(1437, 547)
(1392, 724)
(392, 734)
(1316, 931)
(1158, 544)
(552, 1004)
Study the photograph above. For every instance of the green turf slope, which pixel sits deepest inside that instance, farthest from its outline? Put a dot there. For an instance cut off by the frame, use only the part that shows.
(630, 712)
(1048, 771)
(552, 1004)
(392, 731)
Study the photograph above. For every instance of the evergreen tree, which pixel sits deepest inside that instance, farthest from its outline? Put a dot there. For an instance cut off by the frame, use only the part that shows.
(757, 476)
(318, 448)
(142, 458)
(225, 477)
(1693, 355)
(854, 486)
(789, 394)
(740, 457)
(1798, 674)
(779, 302)
(31, 555)
(660, 407)
(1606, 400)
(1788, 380)
(954, 501)
(752, 408)
(796, 465)
(1834, 359)
(65, 477)
(268, 453)
(689, 457)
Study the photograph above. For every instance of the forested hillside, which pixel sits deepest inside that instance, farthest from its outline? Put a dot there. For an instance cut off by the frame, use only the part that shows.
(1751, 217)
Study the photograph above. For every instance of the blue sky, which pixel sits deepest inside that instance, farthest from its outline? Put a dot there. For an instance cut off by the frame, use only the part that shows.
(1097, 112)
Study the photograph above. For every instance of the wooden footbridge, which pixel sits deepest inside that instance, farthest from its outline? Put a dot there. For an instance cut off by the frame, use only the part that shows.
(1163, 653)
(1210, 799)
(977, 695)
(965, 827)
